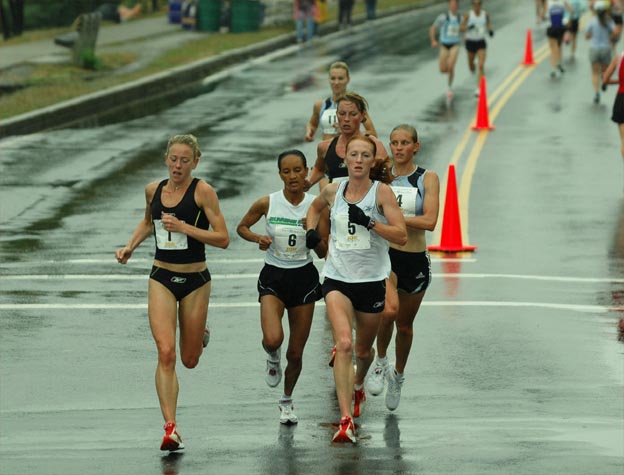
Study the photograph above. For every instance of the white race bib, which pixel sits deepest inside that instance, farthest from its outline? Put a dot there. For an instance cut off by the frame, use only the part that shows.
(350, 236)
(289, 243)
(406, 197)
(169, 241)
(452, 30)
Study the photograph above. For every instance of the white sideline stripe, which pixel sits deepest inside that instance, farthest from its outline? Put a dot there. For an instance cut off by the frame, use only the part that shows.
(476, 303)
(209, 261)
(255, 276)
(111, 276)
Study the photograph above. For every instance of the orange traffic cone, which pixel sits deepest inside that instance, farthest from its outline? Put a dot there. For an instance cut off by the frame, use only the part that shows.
(482, 122)
(451, 240)
(528, 50)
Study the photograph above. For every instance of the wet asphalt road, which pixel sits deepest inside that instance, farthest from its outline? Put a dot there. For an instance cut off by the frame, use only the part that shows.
(516, 366)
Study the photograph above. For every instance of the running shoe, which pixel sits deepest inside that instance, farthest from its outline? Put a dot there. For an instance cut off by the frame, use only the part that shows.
(554, 74)
(172, 440)
(346, 432)
(359, 401)
(560, 68)
(597, 98)
(287, 414)
(476, 92)
(393, 393)
(273, 370)
(206, 338)
(377, 379)
(332, 356)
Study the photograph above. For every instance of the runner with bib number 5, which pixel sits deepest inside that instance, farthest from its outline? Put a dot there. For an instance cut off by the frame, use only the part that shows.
(364, 216)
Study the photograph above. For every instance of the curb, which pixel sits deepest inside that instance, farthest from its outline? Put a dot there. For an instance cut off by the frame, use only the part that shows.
(94, 109)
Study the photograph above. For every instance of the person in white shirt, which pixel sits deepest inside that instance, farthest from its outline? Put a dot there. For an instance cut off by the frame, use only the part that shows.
(364, 217)
(289, 280)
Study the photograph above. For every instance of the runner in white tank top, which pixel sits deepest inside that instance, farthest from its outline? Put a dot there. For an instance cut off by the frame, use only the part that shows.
(364, 213)
(289, 280)
(476, 24)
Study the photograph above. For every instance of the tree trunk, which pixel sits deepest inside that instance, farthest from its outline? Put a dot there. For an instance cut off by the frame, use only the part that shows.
(6, 29)
(17, 15)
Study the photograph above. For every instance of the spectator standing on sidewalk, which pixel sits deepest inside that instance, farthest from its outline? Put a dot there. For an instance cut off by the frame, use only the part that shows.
(345, 8)
(304, 11)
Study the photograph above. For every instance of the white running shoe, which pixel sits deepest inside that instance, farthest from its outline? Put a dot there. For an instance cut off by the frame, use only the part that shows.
(393, 393)
(273, 370)
(287, 414)
(377, 378)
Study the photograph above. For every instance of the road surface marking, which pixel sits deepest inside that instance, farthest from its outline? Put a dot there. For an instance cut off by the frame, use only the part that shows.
(438, 303)
(551, 278)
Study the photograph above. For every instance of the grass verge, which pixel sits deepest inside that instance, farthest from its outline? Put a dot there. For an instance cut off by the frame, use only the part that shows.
(45, 85)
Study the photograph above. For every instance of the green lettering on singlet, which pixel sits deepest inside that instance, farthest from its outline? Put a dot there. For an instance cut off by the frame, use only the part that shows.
(286, 221)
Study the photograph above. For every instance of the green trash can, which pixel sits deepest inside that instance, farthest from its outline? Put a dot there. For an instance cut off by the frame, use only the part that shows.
(245, 16)
(209, 15)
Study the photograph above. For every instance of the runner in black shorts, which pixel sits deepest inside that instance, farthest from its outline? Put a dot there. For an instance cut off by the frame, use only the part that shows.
(289, 280)
(617, 116)
(417, 193)
(364, 217)
(183, 215)
(476, 24)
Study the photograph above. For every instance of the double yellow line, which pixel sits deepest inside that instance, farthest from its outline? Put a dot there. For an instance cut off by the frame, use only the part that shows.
(496, 102)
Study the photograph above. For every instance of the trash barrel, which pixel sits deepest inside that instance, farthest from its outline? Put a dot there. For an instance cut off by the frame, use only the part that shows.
(245, 16)
(209, 15)
(175, 11)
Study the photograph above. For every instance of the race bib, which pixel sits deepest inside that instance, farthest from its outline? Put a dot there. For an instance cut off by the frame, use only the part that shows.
(350, 236)
(406, 197)
(289, 243)
(330, 122)
(452, 30)
(169, 241)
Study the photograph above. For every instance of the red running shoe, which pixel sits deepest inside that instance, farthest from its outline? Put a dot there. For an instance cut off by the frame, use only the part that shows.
(359, 401)
(172, 440)
(346, 432)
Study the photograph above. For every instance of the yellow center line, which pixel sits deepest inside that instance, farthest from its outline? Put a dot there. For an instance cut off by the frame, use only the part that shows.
(504, 90)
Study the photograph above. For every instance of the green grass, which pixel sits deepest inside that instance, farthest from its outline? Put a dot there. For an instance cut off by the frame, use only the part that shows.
(50, 84)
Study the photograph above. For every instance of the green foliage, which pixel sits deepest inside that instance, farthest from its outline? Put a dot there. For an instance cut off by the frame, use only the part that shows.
(89, 60)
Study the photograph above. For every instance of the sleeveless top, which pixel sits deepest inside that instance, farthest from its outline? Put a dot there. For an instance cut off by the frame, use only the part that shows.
(284, 226)
(335, 167)
(410, 192)
(478, 24)
(448, 24)
(355, 253)
(328, 117)
(556, 11)
(174, 247)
